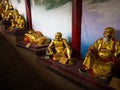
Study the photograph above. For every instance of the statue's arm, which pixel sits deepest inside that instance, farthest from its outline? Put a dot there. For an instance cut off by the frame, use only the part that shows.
(50, 47)
(66, 43)
(94, 47)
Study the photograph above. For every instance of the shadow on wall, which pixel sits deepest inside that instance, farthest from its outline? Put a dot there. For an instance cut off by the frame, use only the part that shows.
(70, 41)
(117, 35)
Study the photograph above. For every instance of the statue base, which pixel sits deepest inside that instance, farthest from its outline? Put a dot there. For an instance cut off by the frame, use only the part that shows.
(19, 33)
(39, 50)
(71, 73)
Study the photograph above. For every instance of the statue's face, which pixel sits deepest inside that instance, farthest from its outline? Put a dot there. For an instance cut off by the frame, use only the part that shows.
(58, 36)
(107, 35)
(105, 39)
(109, 32)
(6, 2)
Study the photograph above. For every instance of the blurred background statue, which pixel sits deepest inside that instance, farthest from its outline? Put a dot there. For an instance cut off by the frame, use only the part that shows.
(8, 13)
(36, 38)
(20, 22)
(6, 7)
(15, 15)
(60, 50)
(17, 22)
(1, 9)
(102, 57)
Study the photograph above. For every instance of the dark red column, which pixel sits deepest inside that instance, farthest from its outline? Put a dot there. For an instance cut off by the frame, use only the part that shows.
(28, 14)
(76, 26)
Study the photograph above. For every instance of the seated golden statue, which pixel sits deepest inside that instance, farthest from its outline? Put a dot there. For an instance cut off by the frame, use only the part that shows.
(9, 14)
(13, 21)
(60, 50)
(102, 57)
(20, 22)
(6, 7)
(35, 37)
(17, 22)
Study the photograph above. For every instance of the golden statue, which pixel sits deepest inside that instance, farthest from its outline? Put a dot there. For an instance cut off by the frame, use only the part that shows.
(6, 7)
(102, 57)
(20, 22)
(35, 37)
(1, 9)
(13, 21)
(17, 21)
(9, 14)
(60, 50)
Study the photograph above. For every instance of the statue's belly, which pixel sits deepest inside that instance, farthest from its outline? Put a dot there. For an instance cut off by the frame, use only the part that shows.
(105, 54)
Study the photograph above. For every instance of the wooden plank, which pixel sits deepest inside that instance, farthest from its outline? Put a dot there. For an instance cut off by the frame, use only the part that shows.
(115, 83)
(71, 73)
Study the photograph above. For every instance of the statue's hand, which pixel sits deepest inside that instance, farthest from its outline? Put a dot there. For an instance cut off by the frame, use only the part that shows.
(49, 52)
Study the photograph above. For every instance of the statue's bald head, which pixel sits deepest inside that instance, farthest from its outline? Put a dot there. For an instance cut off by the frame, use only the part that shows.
(58, 35)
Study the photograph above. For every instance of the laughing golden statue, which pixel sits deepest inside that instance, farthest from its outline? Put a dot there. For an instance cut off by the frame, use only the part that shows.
(60, 50)
(102, 57)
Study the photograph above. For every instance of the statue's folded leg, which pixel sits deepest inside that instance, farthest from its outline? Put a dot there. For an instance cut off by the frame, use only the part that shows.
(103, 69)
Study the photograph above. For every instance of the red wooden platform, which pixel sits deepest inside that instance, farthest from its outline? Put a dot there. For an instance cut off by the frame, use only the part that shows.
(19, 33)
(39, 50)
(71, 72)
